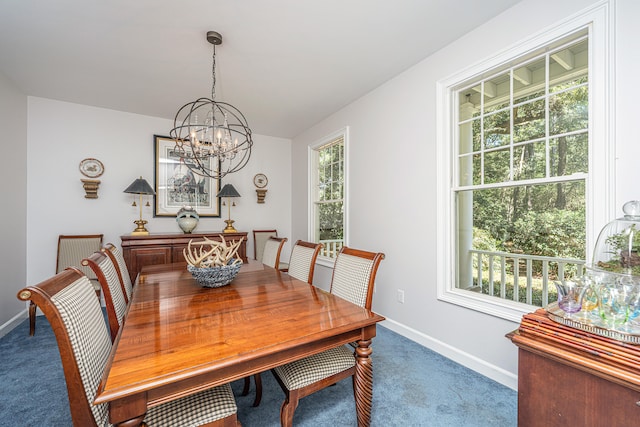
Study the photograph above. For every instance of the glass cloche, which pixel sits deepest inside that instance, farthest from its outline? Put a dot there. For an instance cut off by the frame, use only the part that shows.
(618, 245)
(610, 285)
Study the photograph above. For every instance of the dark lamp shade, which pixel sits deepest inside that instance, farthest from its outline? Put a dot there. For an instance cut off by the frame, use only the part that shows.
(140, 186)
(228, 191)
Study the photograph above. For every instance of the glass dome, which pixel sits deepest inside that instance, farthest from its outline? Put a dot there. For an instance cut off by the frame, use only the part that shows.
(618, 245)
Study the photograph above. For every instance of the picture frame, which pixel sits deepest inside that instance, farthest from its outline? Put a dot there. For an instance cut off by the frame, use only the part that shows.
(177, 186)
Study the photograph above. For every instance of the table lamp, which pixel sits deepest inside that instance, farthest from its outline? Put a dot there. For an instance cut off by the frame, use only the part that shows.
(228, 191)
(141, 187)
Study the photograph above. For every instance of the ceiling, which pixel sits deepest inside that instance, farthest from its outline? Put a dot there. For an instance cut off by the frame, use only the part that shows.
(286, 64)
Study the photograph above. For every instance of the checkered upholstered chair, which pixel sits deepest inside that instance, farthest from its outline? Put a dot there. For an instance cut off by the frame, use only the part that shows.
(301, 266)
(353, 278)
(117, 258)
(259, 239)
(272, 249)
(71, 250)
(114, 298)
(270, 257)
(69, 302)
(303, 260)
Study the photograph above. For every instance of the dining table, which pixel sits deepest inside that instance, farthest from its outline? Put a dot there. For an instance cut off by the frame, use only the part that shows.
(179, 338)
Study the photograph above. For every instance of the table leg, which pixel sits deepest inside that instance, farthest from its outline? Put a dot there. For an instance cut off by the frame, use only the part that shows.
(363, 383)
(128, 412)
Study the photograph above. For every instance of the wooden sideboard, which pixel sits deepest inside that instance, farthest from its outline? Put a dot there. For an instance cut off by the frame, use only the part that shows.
(568, 377)
(165, 248)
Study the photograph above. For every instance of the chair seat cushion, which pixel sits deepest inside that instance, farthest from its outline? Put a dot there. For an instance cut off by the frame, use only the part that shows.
(194, 410)
(314, 368)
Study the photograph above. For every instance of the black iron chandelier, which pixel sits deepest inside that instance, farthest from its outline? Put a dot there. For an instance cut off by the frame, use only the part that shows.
(212, 138)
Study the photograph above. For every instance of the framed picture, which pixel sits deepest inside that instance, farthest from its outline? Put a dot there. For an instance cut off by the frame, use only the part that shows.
(177, 186)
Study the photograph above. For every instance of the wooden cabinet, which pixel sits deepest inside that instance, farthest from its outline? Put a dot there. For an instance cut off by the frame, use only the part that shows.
(165, 248)
(568, 377)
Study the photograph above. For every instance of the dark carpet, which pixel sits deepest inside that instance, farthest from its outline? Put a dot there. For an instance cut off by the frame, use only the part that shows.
(413, 386)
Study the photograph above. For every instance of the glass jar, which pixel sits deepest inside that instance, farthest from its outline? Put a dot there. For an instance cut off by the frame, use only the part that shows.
(618, 245)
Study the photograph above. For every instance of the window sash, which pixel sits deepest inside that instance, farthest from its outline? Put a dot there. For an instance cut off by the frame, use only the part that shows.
(328, 187)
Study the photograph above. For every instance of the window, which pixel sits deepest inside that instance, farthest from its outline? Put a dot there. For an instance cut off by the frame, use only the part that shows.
(328, 193)
(518, 138)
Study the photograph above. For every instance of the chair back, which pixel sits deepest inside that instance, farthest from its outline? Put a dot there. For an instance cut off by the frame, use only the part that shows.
(114, 300)
(73, 248)
(272, 249)
(117, 259)
(303, 260)
(354, 275)
(260, 237)
(69, 302)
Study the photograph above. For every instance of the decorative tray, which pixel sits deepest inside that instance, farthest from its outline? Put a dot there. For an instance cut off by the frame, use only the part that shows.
(590, 324)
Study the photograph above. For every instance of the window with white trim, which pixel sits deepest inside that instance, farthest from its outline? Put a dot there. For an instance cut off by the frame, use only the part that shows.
(517, 138)
(327, 225)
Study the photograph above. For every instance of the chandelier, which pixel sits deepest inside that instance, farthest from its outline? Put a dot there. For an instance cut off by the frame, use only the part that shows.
(212, 138)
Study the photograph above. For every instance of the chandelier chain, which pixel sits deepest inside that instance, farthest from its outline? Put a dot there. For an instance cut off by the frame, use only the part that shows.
(213, 72)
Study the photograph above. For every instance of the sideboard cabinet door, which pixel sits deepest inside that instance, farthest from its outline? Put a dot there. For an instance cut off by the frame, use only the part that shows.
(166, 248)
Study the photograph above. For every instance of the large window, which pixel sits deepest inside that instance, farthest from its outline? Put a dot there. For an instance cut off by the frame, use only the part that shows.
(328, 193)
(522, 149)
(521, 174)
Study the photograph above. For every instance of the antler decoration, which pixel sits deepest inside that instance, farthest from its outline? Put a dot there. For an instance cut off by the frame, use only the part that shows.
(211, 253)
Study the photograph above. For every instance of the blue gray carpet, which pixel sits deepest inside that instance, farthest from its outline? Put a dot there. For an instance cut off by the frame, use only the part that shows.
(413, 386)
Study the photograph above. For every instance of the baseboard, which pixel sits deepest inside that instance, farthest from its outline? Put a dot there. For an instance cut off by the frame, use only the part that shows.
(467, 360)
(8, 326)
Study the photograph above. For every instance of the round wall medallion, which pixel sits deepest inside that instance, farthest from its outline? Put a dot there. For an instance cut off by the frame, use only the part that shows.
(91, 168)
(260, 180)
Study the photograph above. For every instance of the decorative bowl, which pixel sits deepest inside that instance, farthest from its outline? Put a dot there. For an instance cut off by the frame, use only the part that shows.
(214, 277)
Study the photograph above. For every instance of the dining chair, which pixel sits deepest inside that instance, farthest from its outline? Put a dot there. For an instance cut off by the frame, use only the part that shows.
(259, 239)
(69, 303)
(303, 260)
(117, 258)
(272, 251)
(114, 297)
(71, 250)
(270, 257)
(301, 266)
(353, 279)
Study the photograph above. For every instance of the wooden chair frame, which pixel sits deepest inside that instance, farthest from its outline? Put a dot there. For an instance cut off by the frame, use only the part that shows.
(281, 241)
(94, 261)
(258, 379)
(80, 406)
(41, 295)
(108, 249)
(255, 241)
(293, 396)
(316, 251)
(59, 268)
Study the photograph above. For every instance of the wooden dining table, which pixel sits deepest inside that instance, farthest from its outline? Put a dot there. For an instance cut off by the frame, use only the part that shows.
(180, 338)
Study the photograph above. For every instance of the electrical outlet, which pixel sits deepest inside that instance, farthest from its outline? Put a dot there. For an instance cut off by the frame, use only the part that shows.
(400, 296)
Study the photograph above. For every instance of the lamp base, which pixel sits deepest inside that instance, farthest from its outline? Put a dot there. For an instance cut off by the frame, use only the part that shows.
(140, 229)
(229, 228)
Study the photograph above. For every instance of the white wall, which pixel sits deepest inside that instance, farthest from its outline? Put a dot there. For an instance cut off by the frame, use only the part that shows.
(393, 182)
(13, 192)
(61, 134)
